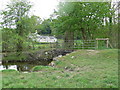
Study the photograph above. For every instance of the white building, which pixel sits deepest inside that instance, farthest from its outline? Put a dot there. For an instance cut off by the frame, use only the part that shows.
(39, 38)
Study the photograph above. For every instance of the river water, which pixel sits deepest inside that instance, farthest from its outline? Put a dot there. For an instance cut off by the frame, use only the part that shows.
(22, 66)
(28, 65)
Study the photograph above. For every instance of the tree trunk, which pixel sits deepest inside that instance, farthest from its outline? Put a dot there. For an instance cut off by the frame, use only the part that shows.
(83, 34)
(69, 40)
(20, 34)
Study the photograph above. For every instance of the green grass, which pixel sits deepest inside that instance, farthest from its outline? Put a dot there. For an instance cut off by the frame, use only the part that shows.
(44, 68)
(9, 70)
(80, 69)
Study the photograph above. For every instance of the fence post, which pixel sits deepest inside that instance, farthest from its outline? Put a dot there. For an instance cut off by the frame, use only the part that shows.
(107, 42)
(96, 43)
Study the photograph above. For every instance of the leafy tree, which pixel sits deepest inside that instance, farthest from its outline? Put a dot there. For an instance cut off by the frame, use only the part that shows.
(35, 23)
(13, 17)
(80, 17)
(45, 27)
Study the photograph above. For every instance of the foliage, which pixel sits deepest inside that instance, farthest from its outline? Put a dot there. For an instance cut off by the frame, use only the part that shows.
(8, 39)
(86, 20)
(34, 23)
(44, 27)
(15, 56)
(14, 12)
(80, 17)
(16, 25)
(114, 35)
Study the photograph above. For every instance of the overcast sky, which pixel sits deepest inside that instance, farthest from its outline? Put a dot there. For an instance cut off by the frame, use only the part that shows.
(42, 8)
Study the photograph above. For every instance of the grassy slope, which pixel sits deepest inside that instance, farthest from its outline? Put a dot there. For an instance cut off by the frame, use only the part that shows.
(80, 69)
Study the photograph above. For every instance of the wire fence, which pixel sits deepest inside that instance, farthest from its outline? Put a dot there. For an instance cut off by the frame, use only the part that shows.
(76, 44)
(70, 44)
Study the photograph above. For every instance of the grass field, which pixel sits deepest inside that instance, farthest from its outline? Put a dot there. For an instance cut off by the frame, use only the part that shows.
(80, 69)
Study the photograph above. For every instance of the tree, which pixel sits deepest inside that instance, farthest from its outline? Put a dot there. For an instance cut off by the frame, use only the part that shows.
(83, 17)
(45, 27)
(14, 17)
(33, 23)
(113, 24)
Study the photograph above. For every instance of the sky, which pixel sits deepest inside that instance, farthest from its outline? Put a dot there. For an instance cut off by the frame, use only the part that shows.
(41, 8)
(44, 8)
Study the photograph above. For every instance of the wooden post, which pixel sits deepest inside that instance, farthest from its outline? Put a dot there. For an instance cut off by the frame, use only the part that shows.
(110, 45)
(50, 45)
(96, 43)
(105, 39)
(107, 42)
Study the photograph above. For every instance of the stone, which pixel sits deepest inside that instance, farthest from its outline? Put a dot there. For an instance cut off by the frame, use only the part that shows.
(73, 57)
